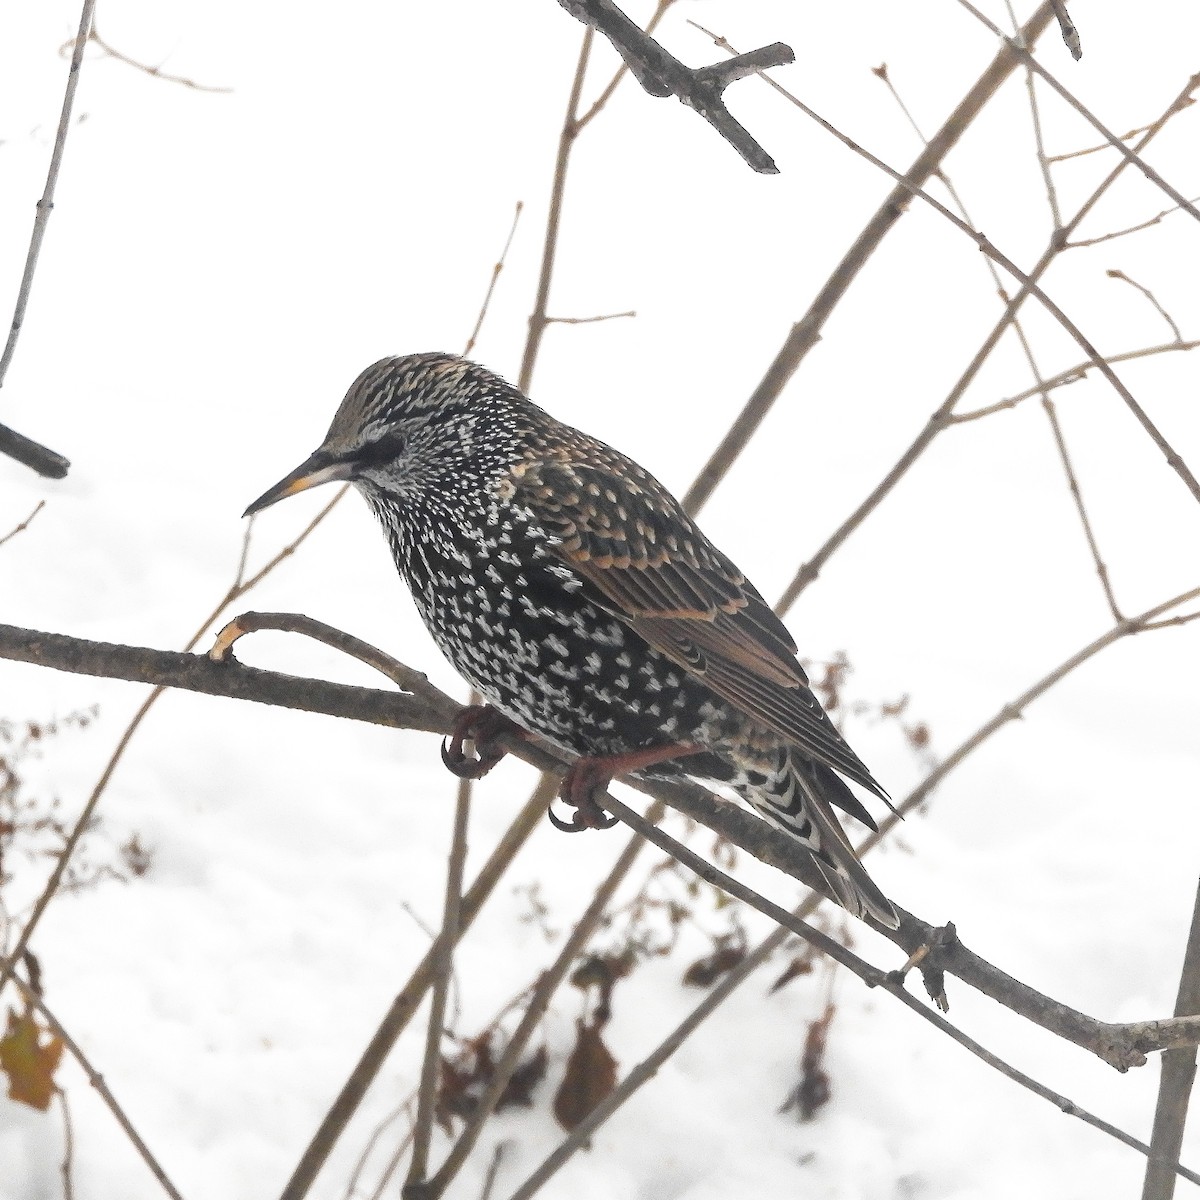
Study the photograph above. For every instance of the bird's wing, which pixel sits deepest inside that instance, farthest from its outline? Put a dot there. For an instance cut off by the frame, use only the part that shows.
(642, 558)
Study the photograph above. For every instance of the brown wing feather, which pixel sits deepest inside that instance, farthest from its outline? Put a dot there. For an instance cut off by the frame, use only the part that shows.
(645, 560)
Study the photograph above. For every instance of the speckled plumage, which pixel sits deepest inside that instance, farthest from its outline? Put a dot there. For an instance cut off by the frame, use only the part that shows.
(567, 585)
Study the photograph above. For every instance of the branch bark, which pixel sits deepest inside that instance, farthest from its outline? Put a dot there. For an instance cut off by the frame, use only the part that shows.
(662, 74)
(430, 710)
(1178, 1075)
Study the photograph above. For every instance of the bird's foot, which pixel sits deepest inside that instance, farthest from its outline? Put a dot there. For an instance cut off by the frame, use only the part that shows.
(579, 787)
(482, 726)
(590, 776)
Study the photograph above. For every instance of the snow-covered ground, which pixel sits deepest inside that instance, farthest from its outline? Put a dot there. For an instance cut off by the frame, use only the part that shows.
(219, 267)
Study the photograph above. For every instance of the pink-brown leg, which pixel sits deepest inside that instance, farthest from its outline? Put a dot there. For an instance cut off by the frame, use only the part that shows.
(587, 776)
(481, 725)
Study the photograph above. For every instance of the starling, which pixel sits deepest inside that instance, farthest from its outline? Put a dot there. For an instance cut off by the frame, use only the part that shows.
(573, 592)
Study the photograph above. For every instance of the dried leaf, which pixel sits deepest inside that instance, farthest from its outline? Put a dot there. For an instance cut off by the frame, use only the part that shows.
(813, 1091)
(801, 964)
(463, 1080)
(519, 1089)
(29, 1061)
(704, 972)
(590, 1076)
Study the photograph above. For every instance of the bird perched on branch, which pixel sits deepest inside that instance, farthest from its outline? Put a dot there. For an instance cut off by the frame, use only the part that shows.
(569, 587)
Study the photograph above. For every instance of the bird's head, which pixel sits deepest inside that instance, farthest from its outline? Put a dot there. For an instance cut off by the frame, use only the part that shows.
(424, 421)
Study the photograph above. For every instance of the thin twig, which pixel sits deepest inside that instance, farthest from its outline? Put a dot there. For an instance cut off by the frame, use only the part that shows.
(352, 1190)
(543, 992)
(1028, 283)
(155, 72)
(409, 998)
(68, 1159)
(1175, 1083)
(44, 461)
(1064, 457)
(589, 320)
(239, 588)
(404, 677)
(46, 203)
(566, 139)
(807, 331)
(489, 1181)
(442, 967)
(891, 982)
(1040, 145)
(1162, 312)
(1130, 156)
(491, 287)
(12, 533)
(392, 1165)
(1026, 347)
(943, 415)
(1071, 375)
(93, 1076)
(1120, 233)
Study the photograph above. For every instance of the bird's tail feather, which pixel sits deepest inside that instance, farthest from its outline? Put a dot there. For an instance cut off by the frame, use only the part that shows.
(797, 800)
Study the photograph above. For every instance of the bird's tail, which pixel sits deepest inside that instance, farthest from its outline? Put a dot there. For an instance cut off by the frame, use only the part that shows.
(797, 797)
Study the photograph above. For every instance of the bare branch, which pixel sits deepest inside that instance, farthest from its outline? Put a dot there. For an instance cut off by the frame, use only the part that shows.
(404, 677)
(68, 1161)
(807, 331)
(543, 992)
(155, 72)
(891, 982)
(1070, 35)
(1071, 375)
(1162, 312)
(431, 710)
(566, 139)
(240, 587)
(1029, 286)
(943, 415)
(1111, 138)
(605, 96)
(1120, 233)
(12, 533)
(1019, 329)
(702, 89)
(93, 1076)
(15, 445)
(46, 462)
(409, 998)
(1178, 1075)
(442, 967)
(1060, 443)
(589, 320)
(491, 287)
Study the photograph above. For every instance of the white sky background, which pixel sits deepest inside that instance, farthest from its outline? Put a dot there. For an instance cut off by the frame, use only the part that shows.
(217, 270)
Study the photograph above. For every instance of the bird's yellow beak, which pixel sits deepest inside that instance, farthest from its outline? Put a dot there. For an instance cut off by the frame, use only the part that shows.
(320, 467)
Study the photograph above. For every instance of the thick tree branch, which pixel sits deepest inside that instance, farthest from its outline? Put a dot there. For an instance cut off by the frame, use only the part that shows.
(46, 462)
(661, 74)
(430, 710)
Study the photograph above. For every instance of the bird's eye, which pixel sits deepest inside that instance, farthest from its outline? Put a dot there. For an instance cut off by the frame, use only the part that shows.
(384, 449)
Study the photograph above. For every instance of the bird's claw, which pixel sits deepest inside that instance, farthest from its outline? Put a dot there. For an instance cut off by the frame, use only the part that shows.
(482, 726)
(586, 816)
(579, 788)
